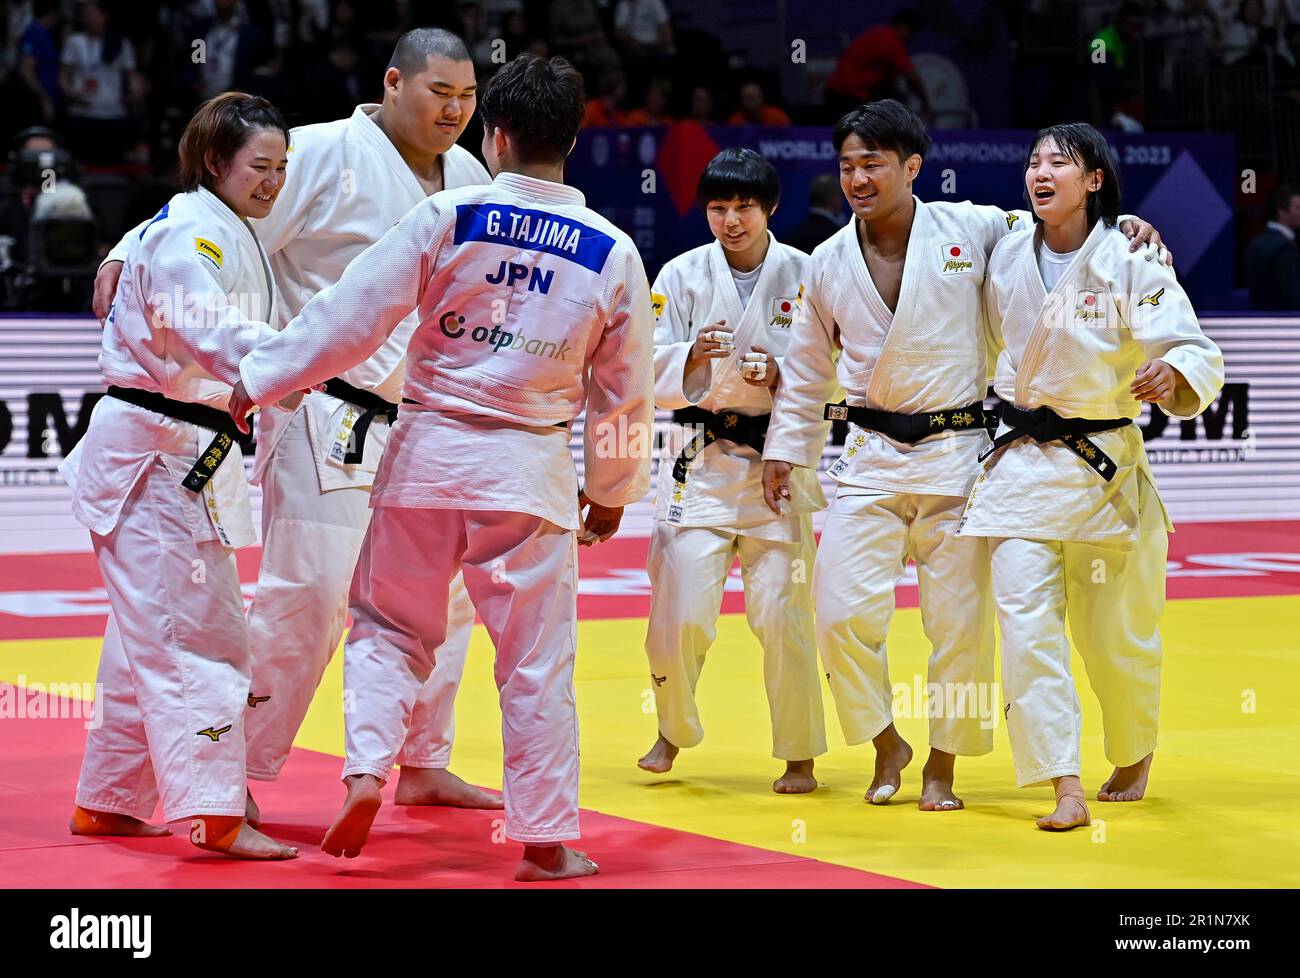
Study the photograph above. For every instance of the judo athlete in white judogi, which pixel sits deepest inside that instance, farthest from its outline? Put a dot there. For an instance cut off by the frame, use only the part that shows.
(897, 292)
(350, 182)
(530, 305)
(1084, 332)
(723, 324)
(159, 481)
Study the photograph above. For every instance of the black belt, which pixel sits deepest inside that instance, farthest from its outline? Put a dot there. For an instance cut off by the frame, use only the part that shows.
(372, 406)
(196, 414)
(911, 428)
(744, 429)
(1043, 424)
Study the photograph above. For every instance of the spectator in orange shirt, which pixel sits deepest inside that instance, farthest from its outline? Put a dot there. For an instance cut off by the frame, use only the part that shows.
(872, 65)
(606, 109)
(754, 110)
(655, 111)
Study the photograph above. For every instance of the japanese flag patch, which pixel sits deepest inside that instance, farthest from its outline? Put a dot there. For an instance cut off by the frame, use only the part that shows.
(955, 258)
(783, 310)
(1090, 308)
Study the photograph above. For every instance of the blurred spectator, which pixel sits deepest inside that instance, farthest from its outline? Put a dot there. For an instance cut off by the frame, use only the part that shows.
(232, 49)
(1188, 33)
(514, 31)
(643, 27)
(606, 108)
(754, 110)
(654, 112)
(98, 78)
(578, 35)
(476, 37)
(35, 153)
(825, 214)
(1272, 260)
(1247, 38)
(645, 36)
(702, 105)
(871, 67)
(1113, 59)
(38, 57)
(335, 84)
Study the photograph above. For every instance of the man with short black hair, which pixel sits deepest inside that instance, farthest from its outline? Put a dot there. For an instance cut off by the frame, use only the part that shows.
(530, 306)
(1272, 260)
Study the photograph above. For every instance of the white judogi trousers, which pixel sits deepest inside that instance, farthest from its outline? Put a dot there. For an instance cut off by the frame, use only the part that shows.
(310, 543)
(1113, 600)
(861, 558)
(522, 573)
(688, 569)
(174, 671)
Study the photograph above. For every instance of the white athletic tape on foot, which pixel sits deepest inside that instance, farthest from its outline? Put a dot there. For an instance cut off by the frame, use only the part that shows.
(883, 794)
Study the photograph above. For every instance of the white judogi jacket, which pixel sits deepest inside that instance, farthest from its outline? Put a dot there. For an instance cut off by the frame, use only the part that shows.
(346, 185)
(530, 306)
(927, 355)
(1076, 351)
(194, 297)
(724, 487)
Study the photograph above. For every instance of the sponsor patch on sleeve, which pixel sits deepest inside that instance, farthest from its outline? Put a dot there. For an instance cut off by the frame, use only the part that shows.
(1011, 220)
(206, 249)
(657, 301)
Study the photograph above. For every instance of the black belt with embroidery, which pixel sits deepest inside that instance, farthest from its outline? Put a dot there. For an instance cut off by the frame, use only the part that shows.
(911, 428)
(372, 406)
(196, 414)
(1043, 424)
(744, 429)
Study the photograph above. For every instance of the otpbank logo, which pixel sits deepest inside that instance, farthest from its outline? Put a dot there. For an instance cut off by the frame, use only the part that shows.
(453, 326)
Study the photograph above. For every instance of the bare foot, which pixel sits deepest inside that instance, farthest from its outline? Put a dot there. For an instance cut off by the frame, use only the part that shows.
(1127, 783)
(797, 780)
(230, 835)
(1071, 809)
(87, 822)
(438, 786)
(936, 784)
(555, 862)
(892, 755)
(660, 758)
(252, 814)
(351, 829)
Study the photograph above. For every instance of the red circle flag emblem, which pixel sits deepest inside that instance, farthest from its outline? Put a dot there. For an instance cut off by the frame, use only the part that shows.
(955, 251)
(785, 307)
(1090, 300)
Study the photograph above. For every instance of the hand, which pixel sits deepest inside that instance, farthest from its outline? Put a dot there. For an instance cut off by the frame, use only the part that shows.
(105, 288)
(240, 405)
(714, 342)
(776, 484)
(1156, 381)
(759, 368)
(1141, 233)
(600, 522)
